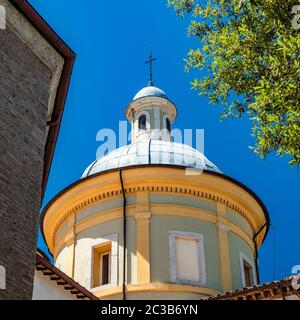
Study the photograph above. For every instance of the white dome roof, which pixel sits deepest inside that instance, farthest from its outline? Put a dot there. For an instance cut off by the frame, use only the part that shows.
(150, 91)
(150, 151)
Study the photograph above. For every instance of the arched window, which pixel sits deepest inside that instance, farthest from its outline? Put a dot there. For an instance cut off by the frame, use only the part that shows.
(142, 122)
(168, 124)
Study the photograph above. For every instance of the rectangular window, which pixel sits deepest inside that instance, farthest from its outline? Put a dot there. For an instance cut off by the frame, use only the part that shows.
(105, 267)
(248, 274)
(102, 264)
(247, 271)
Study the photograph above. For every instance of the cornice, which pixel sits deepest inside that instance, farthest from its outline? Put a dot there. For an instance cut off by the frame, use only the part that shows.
(149, 188)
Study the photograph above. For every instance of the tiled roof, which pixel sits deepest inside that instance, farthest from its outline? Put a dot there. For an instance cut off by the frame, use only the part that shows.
(280, 289)
(42, 264)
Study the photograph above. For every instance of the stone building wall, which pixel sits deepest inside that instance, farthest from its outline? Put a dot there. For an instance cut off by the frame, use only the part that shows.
(24, 95)
(35, 70)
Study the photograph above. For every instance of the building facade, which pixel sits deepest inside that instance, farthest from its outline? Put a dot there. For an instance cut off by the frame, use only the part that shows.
(52, 284)
(35, 68)
(156, 219)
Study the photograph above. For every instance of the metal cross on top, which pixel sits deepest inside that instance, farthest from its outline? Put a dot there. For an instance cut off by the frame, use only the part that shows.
(150, 61)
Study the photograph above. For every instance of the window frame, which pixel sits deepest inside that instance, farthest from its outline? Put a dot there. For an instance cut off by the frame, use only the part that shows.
(245, 259)
(173, 234)
(113, 239)
(98, 252)
(168, 121)
(138, 116)
(139, 122)
(101, 267)
(164, 122)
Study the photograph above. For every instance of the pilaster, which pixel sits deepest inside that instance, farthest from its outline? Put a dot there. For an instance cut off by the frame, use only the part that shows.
(142, 217)
(224, 254)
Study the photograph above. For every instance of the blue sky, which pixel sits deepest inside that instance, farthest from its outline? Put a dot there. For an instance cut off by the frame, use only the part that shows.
(112, 41)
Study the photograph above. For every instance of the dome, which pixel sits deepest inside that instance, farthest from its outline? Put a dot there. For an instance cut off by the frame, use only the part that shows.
(150, 91)
(150, 151)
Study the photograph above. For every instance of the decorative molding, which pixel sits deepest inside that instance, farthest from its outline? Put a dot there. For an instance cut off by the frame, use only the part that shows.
(222, 226)
(142, 215)
(157, 287)
(70, 239)
(149, 188)
(156, 209)
(150, 102)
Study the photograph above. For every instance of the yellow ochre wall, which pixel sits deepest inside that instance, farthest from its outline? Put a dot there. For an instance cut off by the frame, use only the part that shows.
(159, 199)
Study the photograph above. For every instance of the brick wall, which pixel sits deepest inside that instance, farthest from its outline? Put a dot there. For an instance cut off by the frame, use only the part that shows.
(24, 86)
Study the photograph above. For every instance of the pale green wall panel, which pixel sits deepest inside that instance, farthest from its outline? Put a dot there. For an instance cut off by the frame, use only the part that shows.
(241, 221)
(183, 200)
(159, 228)
(104, 229)
(105, 205)
(131, 249)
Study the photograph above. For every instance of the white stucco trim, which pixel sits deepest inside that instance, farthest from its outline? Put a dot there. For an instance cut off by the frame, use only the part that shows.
(222, 226)
(156, 113)
(243, 258)
(113, 238)
(166, 134)
(173, 234)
